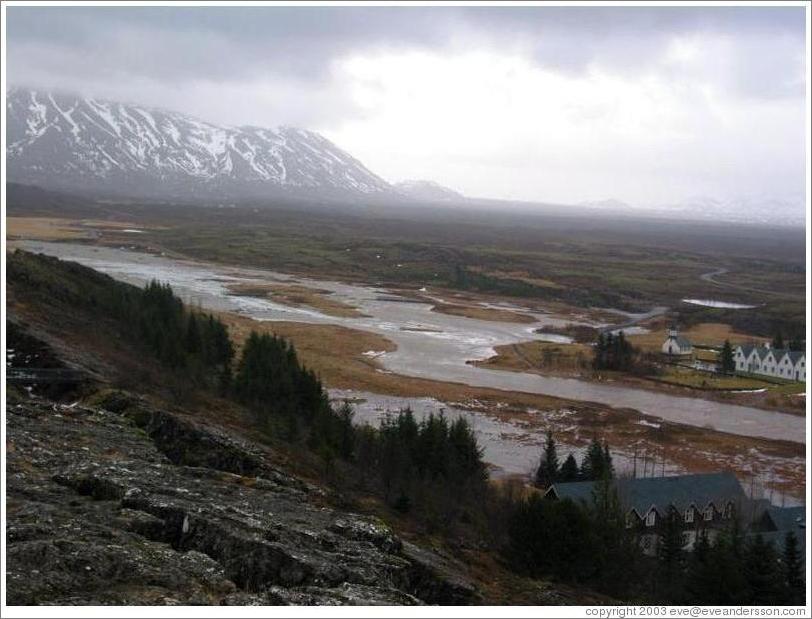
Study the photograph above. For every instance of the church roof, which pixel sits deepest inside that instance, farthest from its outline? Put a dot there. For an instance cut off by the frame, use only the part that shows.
(682, 343)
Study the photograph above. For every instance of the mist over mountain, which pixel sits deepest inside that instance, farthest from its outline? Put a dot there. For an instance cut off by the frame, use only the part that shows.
(754, 210)
(428, 191)
(91, 146)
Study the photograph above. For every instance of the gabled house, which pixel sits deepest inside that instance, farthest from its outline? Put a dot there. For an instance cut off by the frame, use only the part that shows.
(704, 502)
(766, 361)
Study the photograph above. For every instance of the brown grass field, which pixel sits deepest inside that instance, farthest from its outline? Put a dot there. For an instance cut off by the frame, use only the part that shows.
(483, 313)
(539, 357)
(45, 229)
(704, 334)
(62, 229)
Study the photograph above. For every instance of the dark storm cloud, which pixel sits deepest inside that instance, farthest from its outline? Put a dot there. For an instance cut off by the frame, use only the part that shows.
(300, 43)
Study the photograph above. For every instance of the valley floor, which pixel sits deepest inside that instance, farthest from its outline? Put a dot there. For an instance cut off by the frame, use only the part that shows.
(347, 358)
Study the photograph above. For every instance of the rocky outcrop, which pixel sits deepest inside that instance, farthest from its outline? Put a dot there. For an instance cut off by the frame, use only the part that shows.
(140, 506)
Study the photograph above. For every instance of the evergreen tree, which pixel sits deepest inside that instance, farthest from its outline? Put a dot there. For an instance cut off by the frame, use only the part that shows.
(764, 579)
(608, 465)
(552, 538)
(725, 581)
(597, 462)
(778, 341)
(617, 556)
(547, 471)
(193, 338)
(599, 358)
(569, 470)
(697, 577)
(726, 363)
(614, 352)
(671, 556)
(792, 567)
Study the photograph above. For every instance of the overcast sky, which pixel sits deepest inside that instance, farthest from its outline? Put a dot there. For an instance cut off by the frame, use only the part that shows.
(562, 104)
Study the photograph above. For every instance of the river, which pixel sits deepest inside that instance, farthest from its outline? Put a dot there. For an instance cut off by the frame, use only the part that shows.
(429, 344)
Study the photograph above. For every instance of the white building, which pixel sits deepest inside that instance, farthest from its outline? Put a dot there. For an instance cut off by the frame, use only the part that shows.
(766, 361)
(676, 345)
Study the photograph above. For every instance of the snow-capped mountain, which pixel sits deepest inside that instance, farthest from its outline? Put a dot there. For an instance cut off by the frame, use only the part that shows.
(427, 191)
(68, 142)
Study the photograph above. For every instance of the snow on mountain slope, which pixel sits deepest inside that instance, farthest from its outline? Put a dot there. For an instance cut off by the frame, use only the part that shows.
(64, 141)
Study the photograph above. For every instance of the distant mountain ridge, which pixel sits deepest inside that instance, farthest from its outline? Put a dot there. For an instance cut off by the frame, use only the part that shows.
(764, 210)
(69, 142)
(427, 191)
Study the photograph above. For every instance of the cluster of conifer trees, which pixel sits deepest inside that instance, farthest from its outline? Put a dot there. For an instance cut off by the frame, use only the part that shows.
(434, 465)
(613, 352)
(596, 464)
(590, 544)
(287, 396)
(733, 569)
(189, 341)
(587, 544)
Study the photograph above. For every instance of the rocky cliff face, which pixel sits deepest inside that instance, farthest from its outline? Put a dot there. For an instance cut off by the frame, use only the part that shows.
(121, 503)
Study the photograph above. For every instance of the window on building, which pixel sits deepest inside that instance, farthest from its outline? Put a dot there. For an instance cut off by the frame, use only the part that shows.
(709, 513)
(728, 511)
(689, 514)
(630, 518)
(651, 518)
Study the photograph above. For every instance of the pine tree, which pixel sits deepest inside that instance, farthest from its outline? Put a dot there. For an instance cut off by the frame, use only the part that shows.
(792, 567)
(725, 582)
(599, 358)
(778, 341)
(618, 554)
(569, 470)
(608, 466)
(726, 363)
(764, 579)
(547, 471)
(594, 465)
(697, 577)
(671, 555)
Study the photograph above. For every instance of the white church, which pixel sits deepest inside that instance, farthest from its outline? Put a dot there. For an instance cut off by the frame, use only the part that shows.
(767, 361)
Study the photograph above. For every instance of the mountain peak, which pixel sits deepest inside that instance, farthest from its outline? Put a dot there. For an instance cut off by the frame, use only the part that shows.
(64, 141)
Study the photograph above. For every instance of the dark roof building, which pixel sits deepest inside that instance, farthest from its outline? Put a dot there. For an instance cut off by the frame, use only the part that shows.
(775, 522)
(680, 491)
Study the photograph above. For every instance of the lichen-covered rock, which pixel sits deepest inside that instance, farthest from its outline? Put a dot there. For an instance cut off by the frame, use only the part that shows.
(142, 506)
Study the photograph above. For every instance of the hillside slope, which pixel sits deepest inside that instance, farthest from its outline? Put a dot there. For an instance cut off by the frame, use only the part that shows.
(69, 142)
